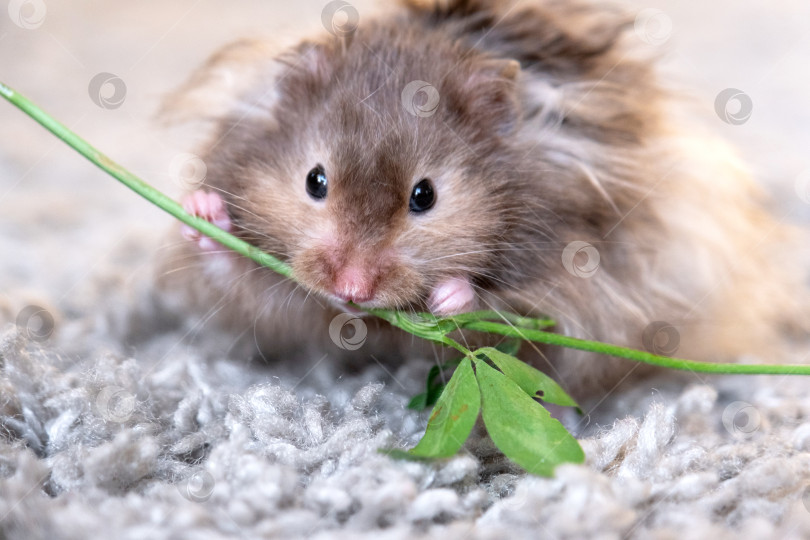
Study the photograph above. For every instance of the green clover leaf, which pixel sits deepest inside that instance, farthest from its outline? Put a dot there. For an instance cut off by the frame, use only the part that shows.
(522, 428)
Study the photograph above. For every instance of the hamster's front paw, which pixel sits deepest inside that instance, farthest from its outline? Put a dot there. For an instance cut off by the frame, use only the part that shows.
(210, 207)
(451, 297)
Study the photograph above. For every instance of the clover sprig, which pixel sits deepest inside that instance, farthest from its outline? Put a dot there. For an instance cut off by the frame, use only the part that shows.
(489, 381)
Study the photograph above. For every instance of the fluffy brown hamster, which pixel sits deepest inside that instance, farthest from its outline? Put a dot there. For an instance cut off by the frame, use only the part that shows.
(474, 154)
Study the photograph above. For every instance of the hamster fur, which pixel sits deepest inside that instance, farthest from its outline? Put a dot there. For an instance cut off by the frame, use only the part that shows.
(552, 131)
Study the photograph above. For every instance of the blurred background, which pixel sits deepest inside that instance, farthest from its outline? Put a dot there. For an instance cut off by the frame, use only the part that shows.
(62, 220)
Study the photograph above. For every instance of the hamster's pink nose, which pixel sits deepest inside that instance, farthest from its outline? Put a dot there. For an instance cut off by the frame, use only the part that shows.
(354, 284)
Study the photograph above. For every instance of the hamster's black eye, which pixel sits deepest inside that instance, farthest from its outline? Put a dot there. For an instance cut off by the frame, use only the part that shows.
(423, 196)
(316, 183)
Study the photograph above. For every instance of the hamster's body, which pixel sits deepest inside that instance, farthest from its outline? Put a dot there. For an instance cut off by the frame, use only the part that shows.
(567, 182)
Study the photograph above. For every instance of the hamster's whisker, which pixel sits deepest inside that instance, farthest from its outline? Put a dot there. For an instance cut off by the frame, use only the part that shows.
(268, 304)
(220, 303)
(473, 252)
(229, 202)
(226, 192)
(168, 246)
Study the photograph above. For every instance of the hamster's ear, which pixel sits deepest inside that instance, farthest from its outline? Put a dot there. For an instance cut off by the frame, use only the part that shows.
(242, 80)
(488, 95)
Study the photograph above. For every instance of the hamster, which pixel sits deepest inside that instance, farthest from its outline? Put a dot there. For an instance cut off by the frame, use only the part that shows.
(472, 154)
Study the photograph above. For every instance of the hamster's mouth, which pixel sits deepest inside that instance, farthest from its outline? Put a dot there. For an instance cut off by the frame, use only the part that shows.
(344, 306)
(359, 309)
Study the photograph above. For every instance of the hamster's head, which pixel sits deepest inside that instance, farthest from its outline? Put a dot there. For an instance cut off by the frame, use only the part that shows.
(373, 183)
(386, 165)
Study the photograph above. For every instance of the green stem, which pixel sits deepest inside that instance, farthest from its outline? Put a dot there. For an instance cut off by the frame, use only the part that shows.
(550, 338)
(458, 346)
(240, 246)
(140, 187)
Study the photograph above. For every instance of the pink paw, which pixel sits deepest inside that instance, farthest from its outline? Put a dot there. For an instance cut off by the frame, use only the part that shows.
(210, 207)
(451, 297)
